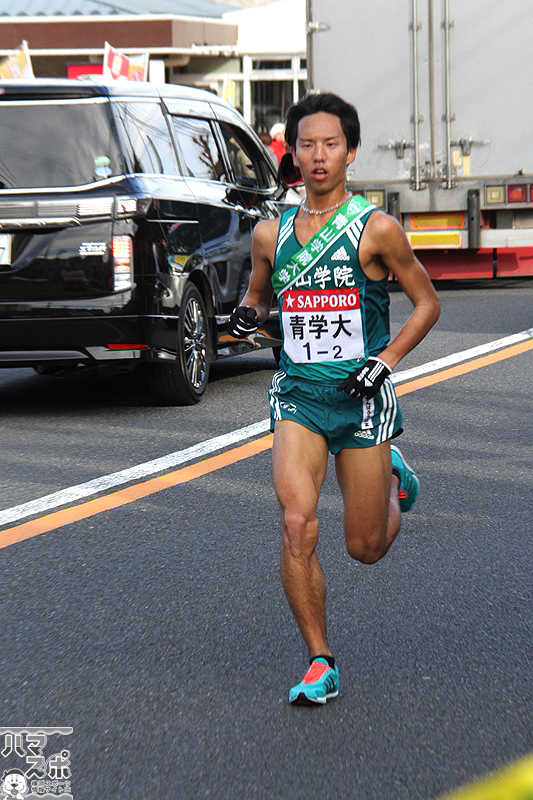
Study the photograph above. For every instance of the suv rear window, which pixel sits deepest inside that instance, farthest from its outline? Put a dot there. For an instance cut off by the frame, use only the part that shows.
(198, 148)
(146, 136)
(50, 143)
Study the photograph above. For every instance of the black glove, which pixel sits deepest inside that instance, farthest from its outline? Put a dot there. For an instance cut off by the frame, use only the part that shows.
(242, 322)
(368, 380)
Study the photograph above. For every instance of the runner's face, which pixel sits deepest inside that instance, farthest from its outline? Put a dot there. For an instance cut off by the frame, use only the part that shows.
(322, 152)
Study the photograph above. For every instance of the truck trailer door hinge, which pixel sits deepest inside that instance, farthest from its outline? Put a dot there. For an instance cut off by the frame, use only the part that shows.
(466, 144)
(399, 146)
(317, 27)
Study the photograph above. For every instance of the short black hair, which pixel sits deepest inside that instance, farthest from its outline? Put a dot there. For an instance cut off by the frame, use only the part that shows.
(330, 103)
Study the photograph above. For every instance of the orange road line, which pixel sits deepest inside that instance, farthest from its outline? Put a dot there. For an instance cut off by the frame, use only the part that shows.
(58, 519)
(116, 499)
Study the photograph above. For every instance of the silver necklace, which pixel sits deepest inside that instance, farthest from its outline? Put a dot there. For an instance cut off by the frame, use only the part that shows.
(305, 207)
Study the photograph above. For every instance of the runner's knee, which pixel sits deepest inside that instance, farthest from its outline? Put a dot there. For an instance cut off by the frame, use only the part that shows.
(366, 554)
(367, 549)
(300, 532)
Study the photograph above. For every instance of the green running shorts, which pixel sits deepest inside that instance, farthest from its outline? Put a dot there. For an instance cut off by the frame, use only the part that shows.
(345, 422)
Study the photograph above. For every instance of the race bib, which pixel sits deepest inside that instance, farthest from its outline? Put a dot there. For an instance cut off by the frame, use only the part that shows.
(322, 325)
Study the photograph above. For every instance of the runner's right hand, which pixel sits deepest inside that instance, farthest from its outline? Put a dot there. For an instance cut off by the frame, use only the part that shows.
(242, 322)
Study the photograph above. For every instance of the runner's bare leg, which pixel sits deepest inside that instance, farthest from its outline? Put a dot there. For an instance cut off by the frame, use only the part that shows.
(299, 460)
(371, 506)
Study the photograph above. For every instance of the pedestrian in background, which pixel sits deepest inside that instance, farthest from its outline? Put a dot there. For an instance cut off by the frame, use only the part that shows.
(278, 145)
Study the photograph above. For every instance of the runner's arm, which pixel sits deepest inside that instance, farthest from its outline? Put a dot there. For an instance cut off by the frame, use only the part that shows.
(259, 292)
(387, 242)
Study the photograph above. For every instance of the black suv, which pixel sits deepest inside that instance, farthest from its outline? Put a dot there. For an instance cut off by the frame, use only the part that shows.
(126, 214)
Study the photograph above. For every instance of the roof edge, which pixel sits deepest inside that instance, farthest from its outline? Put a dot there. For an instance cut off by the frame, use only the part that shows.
(113, 18)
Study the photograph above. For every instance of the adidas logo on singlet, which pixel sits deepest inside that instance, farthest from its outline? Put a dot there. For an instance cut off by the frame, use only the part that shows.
(340, 255)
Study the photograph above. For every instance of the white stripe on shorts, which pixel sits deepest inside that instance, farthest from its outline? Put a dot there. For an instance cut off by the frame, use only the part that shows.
(274, 402)
(389, 411)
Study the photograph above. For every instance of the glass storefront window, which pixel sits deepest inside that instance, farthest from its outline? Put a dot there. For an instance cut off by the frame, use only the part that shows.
(270, 101)
(271, 64)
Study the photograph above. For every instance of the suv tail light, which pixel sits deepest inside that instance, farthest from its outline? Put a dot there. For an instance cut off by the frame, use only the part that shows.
(122, 263)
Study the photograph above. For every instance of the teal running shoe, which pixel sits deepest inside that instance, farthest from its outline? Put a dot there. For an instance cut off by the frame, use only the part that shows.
(409, 483)
(320, 682)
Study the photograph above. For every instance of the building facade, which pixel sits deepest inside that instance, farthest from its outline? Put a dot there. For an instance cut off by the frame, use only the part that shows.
(253, 57)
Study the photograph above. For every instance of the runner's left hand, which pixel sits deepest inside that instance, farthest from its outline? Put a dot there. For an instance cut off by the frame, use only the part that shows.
(367, 380)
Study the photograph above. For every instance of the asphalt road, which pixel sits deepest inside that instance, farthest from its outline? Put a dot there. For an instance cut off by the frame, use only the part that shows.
(159, 631)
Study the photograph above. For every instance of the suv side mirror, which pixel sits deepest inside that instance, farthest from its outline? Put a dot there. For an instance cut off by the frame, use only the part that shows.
(288, 174)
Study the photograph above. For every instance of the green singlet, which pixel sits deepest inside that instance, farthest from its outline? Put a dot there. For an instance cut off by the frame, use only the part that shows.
(332, 316)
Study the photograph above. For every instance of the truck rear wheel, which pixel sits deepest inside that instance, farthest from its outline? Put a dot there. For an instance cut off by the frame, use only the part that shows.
(184, 381)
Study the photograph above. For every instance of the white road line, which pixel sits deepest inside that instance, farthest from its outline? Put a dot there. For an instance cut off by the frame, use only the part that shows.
(464, 355)
(83, 490)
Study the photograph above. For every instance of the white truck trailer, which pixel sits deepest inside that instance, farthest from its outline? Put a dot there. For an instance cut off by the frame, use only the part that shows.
(444, 91)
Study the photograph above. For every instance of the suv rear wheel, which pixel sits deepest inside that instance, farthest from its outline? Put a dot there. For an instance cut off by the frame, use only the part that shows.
(184, 381)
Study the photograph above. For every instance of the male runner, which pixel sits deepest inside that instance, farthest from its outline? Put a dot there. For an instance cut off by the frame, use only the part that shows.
(328, 262)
